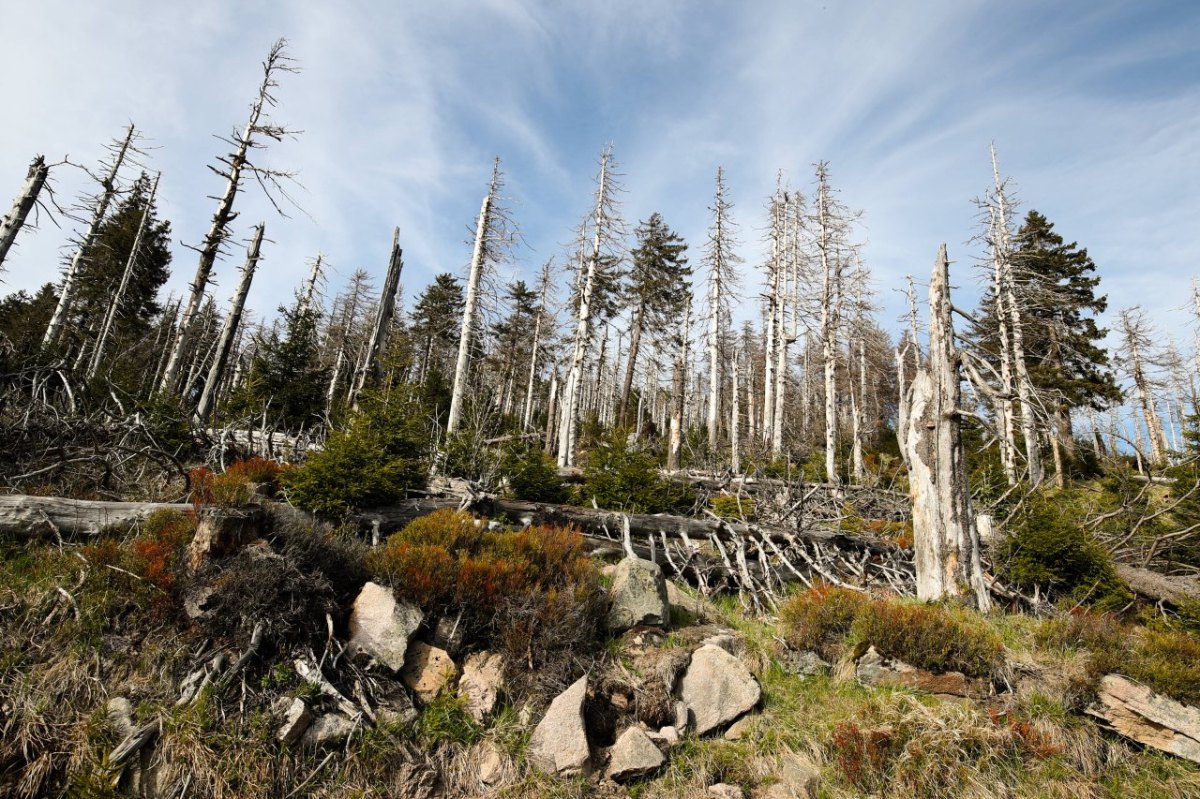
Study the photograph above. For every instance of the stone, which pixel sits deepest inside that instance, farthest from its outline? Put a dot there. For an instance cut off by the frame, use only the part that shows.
(697, 608)
(382, 627)
(119, 712)
(724, 640)
(804, 664)
(491, 764)
(799, 778)
(874, 670)
(448, 634)
(296, 720)
(633, 755)
(331, 729)
(219, 535)
(723, 790)
(740, 728)
(717, 688)
(681, 716)
(670, 735)
(559, 745)
(481, 682)
(427, 670)
(639, 596)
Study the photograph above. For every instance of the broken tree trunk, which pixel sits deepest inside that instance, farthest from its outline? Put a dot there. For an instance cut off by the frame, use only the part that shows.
(12, 223)
(945, 541)
(56, 517)
(216, 372)
(1146, 717)
(383, 322)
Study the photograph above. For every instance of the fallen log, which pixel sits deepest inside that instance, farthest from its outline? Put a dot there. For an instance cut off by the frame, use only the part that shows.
(1151, 719)
(1174, 590)
(56, 517)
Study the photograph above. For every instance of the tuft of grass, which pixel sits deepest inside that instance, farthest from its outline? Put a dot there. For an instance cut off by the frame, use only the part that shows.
(929, 637)
(820, 618)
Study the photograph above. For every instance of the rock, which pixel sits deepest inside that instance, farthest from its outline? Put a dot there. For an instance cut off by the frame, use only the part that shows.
(724, 640)
(1151, 719)
(331, 729)
(120, 716)
(697, 608)
(219, 535)
(799, 778)
(740, 728)
(491, 764)
(427, 670)
(296, 720)
(681, 716)
(873, 669)
(448, 634)
(633, 755)
(670, 735)
(717, 689)
(481, 682)
(559, 745)
(803, 664)
(382, 627)
(723, 790)
(639, 596)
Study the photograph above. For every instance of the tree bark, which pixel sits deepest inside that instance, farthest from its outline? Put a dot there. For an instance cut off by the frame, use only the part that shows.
(12, 223)
(377, 344)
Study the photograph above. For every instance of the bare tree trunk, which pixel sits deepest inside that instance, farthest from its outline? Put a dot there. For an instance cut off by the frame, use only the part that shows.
(945, 540)
(675, 437)
(830, 307)
(551, 412)
(467, 329)
(12, 223)
(1004, 407)
(236, 163)
(231, 329)
(858, 413)
(735, 441)
(377, 344)
(116, 300)
(527, 415)
(66, 297)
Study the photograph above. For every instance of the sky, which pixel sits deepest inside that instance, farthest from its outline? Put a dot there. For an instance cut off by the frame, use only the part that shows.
(1094, 108)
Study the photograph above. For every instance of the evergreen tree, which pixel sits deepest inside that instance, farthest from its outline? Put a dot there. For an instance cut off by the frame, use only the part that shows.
(434, 330)
(512, 337)
(656, 291)
(286, 379)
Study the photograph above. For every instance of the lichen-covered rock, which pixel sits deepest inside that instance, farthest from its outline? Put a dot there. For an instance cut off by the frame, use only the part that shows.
(481, 683)
(427, 670)
(382, 627)
(559, 745)
(717, 689)
(799, 778)
(331, 729)
(633, 755)
(296, 721)
(639, 596)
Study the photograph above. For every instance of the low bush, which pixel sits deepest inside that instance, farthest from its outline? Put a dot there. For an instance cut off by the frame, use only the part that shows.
(929, 637)
(619, 477)
(532, 475)
(372, 462)
(729, 506)
(820, 618)
(1049, 551)
(234, 488)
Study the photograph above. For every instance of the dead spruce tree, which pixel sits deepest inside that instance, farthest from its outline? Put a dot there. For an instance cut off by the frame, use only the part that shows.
(26, 199)
(368, 366)
(494, 234)
(108, 190)
(945, 541)
(601, 236)
(539, 319)
(1137, 358)
(234, 168)
(231, 329)
(341, 334)
(722, 263)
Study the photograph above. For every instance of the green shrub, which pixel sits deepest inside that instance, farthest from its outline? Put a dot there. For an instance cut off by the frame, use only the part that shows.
(372, 462)
(620, 478)
(929, 637)
(821, 617)
(1166, 661)
(729, 506)
(1048, 550)
(532, 475)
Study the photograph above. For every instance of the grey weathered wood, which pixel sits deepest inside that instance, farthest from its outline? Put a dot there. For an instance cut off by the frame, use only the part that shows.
(14, 220)
(28, 516)
(383, 322)
(1151, 719)
(1160, 587)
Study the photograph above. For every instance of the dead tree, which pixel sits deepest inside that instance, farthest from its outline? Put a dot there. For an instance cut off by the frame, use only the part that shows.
(722, 281)
(1137, 343)
(369, 364)
(543, 293)
(492, 236)
(14, 220)
(831, 221)
(234, 168)
(108, 190)
(945, 540)
(230, 331)
(114, 305)
(348, 318)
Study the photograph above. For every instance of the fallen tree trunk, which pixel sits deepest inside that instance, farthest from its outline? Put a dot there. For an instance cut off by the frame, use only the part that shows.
(55, 517)
(1160, 587)
(1138, 713)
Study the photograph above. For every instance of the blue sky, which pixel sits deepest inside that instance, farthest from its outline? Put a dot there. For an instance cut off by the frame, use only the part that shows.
(1093, 106)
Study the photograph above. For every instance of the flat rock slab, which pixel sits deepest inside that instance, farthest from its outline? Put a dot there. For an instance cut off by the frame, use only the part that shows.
(382, 627)
(633, 755)
(559, 745)
(639, 596)
(874, 670)
(717, 689)
(1151, 719)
